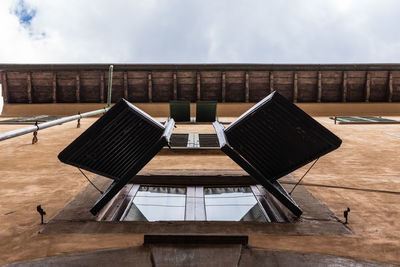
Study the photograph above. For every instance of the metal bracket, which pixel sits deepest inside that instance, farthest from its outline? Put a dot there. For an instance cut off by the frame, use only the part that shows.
(35, 139)
(41, 212)
(79, 121)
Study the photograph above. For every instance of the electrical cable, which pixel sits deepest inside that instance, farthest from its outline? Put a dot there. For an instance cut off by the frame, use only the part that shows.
(290, 193)
(101, 192)
(348, 188)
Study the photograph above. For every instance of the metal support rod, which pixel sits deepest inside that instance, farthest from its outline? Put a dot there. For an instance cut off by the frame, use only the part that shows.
(110, 75)
(30, 129)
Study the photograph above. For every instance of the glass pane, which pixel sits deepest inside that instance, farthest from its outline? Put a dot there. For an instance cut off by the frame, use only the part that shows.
(156, 203)
(232, 204)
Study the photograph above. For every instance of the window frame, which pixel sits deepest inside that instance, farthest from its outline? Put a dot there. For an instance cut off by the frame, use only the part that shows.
(195, 207)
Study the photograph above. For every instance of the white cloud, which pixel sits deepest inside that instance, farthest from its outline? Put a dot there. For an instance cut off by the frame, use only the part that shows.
(173, 31)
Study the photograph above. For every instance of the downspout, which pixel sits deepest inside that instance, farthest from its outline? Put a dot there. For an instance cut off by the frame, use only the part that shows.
(110, 75)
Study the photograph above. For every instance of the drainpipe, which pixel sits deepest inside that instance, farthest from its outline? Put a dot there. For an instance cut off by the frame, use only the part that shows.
(110, 75)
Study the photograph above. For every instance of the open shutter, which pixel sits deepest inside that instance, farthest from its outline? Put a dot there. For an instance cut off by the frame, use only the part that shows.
(118, 146)
(272, 139)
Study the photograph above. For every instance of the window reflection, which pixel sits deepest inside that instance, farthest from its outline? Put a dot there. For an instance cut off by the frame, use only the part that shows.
(232, 204)
(156, 203)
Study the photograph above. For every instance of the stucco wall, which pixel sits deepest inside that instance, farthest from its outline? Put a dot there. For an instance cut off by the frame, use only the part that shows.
(368, 159)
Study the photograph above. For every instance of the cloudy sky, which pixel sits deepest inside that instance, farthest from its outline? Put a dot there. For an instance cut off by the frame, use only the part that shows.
(207, 31)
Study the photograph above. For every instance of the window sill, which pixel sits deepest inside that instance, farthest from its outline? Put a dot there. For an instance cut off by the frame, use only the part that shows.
(75, 217)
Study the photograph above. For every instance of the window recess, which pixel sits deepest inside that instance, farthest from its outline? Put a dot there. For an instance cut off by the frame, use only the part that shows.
(195, 203)
(194, 140)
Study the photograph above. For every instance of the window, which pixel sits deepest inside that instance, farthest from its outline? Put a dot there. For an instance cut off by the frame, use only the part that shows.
(363, 120)
(194, 140)
(232, 204)
(156, 203)
(195, 203)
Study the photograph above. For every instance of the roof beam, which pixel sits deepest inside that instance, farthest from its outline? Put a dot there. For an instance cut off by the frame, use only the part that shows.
(319, 94)
(223, 86)
(175, 88)
(344, 86)
(150, 86)
(198, 85)
(295, 88)
(78, 88)
(175, 85)
(4, 86)
(101, 87)
(271, 81)
(367, 87)
(247, 86)
(390, 87)
(54, 87)
(29, 87)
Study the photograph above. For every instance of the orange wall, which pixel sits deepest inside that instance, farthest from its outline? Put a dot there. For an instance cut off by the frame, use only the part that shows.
(223, 109)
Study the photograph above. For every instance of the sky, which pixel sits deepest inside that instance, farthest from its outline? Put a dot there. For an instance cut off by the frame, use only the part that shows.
(207, 31)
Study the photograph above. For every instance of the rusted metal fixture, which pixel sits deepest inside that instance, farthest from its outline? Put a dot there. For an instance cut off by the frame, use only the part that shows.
(35, 139)
(346, 215)
(78, 125)
(41, 212)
